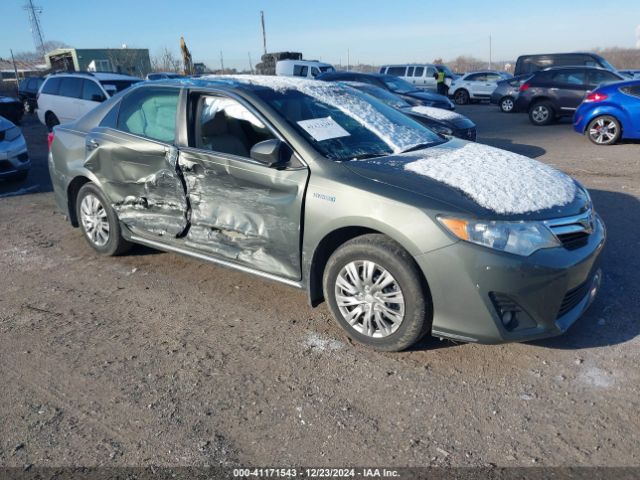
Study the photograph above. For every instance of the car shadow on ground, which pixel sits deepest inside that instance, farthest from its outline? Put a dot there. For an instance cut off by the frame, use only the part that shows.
(614, 317)
(531, 151)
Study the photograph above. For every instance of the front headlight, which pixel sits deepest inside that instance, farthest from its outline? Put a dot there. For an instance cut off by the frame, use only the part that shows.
(11, 134)
(519, 238)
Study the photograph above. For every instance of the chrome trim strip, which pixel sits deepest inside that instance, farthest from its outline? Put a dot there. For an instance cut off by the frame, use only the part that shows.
(567, 229)
(200, 256)
(557, 222)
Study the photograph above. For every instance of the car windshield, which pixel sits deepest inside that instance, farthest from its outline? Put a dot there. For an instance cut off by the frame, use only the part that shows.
(398, 85)
(114, 86)
(344, 124)
(381, 94)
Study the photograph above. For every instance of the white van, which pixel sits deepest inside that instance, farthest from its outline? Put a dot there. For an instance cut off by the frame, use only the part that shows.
(421, 75)
(65, 97)
(302, 68)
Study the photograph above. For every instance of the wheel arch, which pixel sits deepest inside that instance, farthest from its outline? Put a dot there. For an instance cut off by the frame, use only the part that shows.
(329, 244)
(72, 190)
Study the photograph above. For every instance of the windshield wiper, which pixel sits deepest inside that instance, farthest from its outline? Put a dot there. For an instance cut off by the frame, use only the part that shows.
(365, 156)
(420, 146)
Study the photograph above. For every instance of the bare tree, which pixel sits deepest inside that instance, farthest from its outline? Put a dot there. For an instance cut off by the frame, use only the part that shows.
(165, 61)
(622, 58)
(37, 56)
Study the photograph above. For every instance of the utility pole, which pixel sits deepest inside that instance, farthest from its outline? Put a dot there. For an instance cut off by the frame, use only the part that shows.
(221, 62)
(264, 32)
(250, 64)
(15, 70)
(490, 54)
(34, 12)
(348, 60)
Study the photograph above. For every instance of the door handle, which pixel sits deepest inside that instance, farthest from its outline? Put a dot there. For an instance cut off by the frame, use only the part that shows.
(92, 144)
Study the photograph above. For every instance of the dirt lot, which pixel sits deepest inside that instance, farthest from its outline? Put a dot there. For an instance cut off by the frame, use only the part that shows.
(156, 359)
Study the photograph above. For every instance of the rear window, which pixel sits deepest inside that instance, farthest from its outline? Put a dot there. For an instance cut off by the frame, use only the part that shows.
(51, 86)
(396, 71)
(633, 91)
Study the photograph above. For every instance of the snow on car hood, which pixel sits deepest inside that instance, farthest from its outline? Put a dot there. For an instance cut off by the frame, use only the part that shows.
(398, 137)
(495, 179)
(438, 113)
(479, 179)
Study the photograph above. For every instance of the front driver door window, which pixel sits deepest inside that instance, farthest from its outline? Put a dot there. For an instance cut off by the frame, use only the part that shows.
(241, 211)
(136, 161)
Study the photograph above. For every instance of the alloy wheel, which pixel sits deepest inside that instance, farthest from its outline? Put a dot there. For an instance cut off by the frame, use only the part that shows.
(540, 114)
(603, 131)
(94, 220)
(369, 298)
(506, 105)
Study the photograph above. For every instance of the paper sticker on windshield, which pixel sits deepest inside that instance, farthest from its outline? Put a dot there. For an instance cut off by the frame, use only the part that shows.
(323, 128)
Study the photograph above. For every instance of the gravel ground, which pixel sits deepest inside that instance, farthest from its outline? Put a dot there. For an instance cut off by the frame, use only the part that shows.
(157, 359)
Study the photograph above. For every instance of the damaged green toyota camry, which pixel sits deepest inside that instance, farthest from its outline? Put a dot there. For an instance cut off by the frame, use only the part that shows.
(402, 231)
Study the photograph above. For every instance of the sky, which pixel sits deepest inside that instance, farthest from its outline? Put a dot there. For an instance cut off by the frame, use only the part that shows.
(374, 32)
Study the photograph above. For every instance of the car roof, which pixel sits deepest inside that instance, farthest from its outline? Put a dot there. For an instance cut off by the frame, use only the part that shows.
(572, 67)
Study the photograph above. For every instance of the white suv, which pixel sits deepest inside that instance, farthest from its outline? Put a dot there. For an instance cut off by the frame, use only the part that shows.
(65, 97)
(476, 86)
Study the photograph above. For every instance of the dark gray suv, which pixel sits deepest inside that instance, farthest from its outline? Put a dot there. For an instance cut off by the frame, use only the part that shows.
(324, 188)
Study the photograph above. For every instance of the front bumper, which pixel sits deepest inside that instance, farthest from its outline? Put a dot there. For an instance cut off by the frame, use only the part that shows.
(549, 290)
(14, 158)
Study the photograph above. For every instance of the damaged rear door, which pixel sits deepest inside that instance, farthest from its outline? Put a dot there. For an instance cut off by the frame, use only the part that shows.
(241, 210)
(133, 153)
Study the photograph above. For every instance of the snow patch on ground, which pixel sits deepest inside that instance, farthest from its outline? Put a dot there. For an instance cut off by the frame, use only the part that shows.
(398, 137)
(437, 113)
(596, 377)
(498, 180)
(320, 343)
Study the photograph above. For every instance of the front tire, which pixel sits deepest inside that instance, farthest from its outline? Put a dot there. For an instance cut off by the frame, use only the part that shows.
(541, 113)
(376, 293)
(99, 222)
(506, 104)
(604, 130)
(461, 97)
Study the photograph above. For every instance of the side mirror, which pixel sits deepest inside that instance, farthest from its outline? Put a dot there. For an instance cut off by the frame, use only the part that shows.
(271, 152)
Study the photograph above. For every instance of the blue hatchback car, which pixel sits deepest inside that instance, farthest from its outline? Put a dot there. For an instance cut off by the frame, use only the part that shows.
(610, 113)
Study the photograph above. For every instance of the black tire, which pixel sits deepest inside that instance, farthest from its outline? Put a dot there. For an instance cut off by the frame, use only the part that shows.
(387, 254)
(506, 104)
(542, 113)
(461, 97)
(115, 244)
(604, 130)
(51, 120)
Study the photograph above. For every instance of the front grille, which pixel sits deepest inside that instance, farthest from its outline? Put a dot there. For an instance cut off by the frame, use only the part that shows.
(573, 298)
(574, 231)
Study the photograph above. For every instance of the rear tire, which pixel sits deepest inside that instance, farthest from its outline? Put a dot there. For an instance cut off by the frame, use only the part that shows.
(506, 104)
(376, 293)
(604, 130)
(461, 97)
(542, 113)
(51, 120)
(99, 222)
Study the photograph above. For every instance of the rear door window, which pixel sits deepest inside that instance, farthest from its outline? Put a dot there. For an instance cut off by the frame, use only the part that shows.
(409, 72)
(570, 77)
(596, 77)
(476, 77)
(418, 72)
(51, 86)
(71, 87)
(151, 113)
